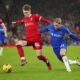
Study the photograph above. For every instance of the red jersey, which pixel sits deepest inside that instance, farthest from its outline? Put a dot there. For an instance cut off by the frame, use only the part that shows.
(31, 24)
(0, 21)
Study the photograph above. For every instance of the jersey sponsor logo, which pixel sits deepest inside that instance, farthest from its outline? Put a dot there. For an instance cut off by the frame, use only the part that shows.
(29, 24)
(56, 35)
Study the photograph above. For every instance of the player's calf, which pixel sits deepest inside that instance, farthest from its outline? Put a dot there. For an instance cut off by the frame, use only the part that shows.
(19, 45)
(65, 59)
(43, 58)
(1, 51)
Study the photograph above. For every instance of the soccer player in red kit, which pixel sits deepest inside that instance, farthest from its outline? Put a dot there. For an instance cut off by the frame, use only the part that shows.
(33, 37)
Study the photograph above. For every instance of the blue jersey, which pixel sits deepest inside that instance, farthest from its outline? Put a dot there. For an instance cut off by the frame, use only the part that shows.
(58, 36)
(2, 36)
(1, 32)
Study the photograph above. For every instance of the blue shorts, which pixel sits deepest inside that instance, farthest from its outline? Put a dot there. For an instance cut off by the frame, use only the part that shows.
(57, 50)
(2, 40)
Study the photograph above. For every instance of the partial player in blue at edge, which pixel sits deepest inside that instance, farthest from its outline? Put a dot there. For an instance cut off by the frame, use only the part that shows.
(3, 35)
(58, 42)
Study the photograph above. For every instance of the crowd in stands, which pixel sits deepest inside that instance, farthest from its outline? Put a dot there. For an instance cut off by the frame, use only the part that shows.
(68, 10)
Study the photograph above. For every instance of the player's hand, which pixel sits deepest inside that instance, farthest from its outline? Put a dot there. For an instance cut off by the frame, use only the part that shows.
(13, 22)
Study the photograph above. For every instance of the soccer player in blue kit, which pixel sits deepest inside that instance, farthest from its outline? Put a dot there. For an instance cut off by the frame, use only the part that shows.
(3, 35)
(58, 42)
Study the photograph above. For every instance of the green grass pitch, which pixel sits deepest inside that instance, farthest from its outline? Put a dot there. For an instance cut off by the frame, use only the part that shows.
(37, 70)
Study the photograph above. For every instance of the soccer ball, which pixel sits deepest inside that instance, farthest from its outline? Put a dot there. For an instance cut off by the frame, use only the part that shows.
(7, 68)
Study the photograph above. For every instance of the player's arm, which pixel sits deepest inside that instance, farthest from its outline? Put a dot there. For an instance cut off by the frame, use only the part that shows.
(71, 35)
(4, 28)
(45, 20)
(41, 18)
(18, 22)
(44, 30)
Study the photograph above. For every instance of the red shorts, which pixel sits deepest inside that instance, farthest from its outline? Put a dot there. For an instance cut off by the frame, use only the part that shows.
(36, 43)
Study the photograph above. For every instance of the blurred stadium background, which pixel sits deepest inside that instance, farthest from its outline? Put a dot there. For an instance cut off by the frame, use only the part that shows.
(68, 10)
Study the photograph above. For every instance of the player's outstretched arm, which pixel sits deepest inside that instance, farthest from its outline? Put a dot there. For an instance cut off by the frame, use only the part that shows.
(71, 35)
(17, 22)
(45, 20)
(41, 18)
(44, 30)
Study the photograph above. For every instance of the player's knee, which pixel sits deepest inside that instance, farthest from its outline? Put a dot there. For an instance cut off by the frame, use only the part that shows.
(38, 52)
(18, 43)
(62, 52)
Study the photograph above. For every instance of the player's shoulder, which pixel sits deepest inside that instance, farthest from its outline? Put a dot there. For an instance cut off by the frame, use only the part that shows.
(50, 26)
(63, 27)
(36, 15)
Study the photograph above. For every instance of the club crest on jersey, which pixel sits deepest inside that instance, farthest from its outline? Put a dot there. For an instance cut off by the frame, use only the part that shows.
(37, 45)
(56, 35)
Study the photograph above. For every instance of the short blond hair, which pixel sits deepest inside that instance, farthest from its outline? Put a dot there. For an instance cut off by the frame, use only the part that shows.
(58, 20)
(26, 7)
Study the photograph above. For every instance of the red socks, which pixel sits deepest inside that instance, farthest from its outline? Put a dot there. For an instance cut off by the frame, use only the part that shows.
(41, 57)
(21, 53)
(20, 50)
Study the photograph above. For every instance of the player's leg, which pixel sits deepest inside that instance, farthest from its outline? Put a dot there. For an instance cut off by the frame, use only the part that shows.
(2, 42)
(65, 59)
(19, 45)
(40, 56)
(63, 50)
(57, 53)
(60, 53)
(76, 62)
(1, 50)
(38, 47)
